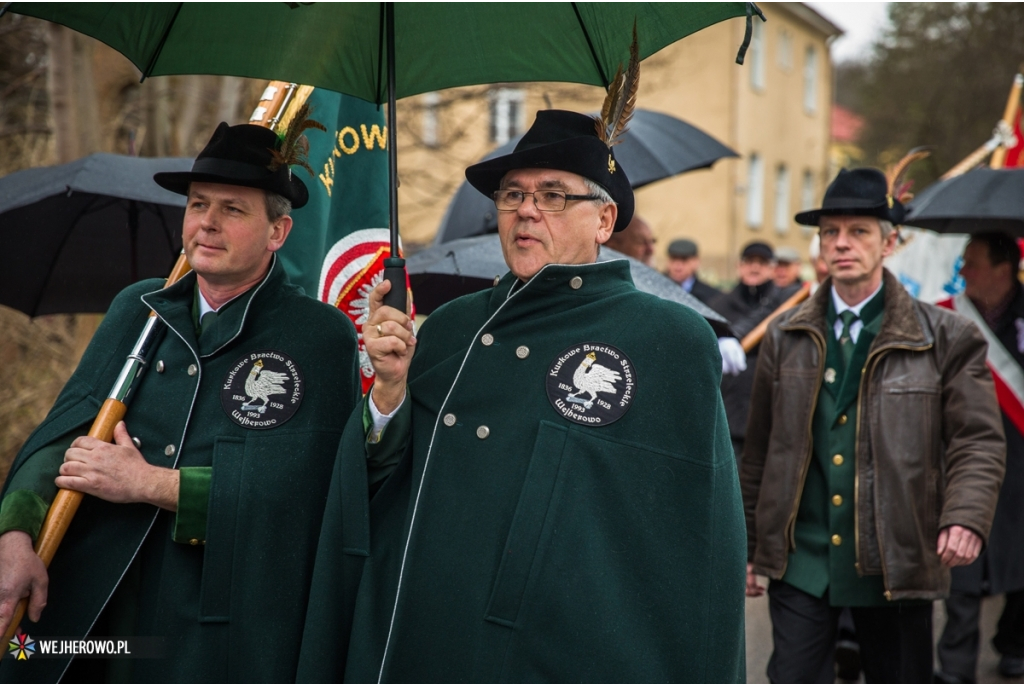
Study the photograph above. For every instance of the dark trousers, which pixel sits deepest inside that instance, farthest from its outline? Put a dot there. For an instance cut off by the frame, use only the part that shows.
(958, 646)
(895, 641)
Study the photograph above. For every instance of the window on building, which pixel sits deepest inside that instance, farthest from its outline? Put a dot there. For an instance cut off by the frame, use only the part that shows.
(756, 54)
(508, 116)
(782, 199)
(807, 198)
(755, 191)
(810, 80)
(785, 56)
(430, 101)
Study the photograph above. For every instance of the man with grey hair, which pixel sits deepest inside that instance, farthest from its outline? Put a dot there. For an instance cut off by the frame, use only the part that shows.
(874, 453)
(554, 496)
(202, 518)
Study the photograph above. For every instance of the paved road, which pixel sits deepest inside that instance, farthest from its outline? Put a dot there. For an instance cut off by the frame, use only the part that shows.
(759, 639)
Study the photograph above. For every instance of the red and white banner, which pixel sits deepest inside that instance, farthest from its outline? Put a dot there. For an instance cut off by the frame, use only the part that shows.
(1006, 372)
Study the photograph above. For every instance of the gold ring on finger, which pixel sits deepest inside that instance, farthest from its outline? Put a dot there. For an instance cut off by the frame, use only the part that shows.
(379, 331)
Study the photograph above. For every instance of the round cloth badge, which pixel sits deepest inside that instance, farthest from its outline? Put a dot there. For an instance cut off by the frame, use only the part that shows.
(262, 390)
(592, 384)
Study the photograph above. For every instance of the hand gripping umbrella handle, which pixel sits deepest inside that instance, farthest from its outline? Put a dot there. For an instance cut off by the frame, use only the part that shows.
(394, 271)
(65, 504)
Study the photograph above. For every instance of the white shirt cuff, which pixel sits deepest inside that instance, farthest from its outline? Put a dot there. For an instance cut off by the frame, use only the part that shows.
(380, 421)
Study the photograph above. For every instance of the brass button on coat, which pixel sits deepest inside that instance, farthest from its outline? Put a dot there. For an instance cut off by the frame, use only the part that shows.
(837, 500)
(160, 366)
(487, 339)
(137, 443)
(836, 540)
(193, 369)
(842, 420)
(837, 460)
(170, 450)
(482, 432)
(449, 420)
(522, 351)
(576, 283)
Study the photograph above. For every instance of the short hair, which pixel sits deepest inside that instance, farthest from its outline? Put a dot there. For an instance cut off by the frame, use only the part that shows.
(277, 205)
(886, 227)
(603, 197)
(1002, 248)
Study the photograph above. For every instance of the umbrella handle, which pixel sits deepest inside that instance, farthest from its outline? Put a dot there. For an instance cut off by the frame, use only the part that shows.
(394, 271)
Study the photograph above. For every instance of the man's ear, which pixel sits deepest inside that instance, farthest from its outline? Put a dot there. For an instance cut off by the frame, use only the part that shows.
(279, 233)
(889, 245)
(608, 214)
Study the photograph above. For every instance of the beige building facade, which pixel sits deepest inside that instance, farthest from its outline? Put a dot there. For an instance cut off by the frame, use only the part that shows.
(774, 111)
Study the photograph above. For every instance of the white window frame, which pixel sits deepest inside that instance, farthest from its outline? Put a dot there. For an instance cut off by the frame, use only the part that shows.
(755, 191)
(807, 196)
(782, 216)
(507, 114)
(429, 123)
(785, 50)
(757, 57)
(811, 79)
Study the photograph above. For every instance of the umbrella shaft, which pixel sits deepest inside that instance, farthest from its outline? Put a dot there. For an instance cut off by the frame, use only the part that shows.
(389, 21)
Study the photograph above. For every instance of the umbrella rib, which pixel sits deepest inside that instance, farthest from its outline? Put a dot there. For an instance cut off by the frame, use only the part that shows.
(160, 46)
(57, 253)
(590, 44)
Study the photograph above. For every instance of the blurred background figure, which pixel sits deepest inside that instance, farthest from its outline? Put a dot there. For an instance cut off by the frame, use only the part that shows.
(752, 300)
(994, 298)
(636, 240)
(683, 262)
(817, 262)
(787, 267)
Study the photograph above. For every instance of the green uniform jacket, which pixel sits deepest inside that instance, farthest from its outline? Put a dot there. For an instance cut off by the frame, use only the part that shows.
(540, 549)
(226, 587)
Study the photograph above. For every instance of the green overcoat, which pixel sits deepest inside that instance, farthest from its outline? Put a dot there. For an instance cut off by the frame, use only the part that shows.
(545, 545)
(225, 581)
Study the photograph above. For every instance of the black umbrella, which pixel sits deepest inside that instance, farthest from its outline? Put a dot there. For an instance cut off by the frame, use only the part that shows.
(443, 272)
(77, 234)
(656, 147)
(979, 200)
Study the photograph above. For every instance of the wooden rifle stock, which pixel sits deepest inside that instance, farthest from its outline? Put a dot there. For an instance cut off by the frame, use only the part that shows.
(278, 101)
(751, 339)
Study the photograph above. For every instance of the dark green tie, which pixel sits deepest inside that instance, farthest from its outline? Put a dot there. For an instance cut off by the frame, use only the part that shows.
(846, 343)
(207, 322)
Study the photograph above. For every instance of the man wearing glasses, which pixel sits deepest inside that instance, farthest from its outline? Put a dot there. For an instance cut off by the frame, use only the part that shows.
(552, 492)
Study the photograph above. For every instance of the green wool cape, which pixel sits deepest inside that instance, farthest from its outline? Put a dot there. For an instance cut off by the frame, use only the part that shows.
(225, 582)
(511, 543)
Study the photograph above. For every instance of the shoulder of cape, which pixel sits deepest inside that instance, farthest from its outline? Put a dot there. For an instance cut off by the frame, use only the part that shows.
(291, 304)
(667, 317)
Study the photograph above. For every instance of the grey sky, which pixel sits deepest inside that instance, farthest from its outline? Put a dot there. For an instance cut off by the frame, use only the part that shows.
(861, 21)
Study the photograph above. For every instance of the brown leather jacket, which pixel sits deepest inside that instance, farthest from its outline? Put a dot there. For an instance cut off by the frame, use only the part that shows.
(930, 448)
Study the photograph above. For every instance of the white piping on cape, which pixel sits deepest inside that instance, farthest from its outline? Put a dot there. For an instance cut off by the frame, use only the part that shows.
(513, 291)
(188, 419)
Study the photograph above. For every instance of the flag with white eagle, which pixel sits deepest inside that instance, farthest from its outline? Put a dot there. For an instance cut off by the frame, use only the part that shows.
(339, 242)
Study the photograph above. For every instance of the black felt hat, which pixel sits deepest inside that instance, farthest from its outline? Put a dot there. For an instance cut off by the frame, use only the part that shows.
(857, 192)
(566, 141)
(239, 156)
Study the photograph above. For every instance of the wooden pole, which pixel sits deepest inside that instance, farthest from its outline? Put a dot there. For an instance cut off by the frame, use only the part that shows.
(996, 144)
(277, 98)
(753, 338)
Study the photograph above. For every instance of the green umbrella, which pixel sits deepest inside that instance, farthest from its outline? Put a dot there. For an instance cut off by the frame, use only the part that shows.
(346, 47)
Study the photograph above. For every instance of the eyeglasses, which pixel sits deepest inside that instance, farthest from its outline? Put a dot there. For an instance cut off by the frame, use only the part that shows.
(546, 200)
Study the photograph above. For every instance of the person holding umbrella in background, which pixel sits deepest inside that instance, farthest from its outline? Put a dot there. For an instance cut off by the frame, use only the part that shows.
(553, 491)
(203, 516)
(994, 299)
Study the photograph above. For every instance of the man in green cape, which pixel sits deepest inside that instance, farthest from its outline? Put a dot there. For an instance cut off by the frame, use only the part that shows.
(199, 524)
(540, 486)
